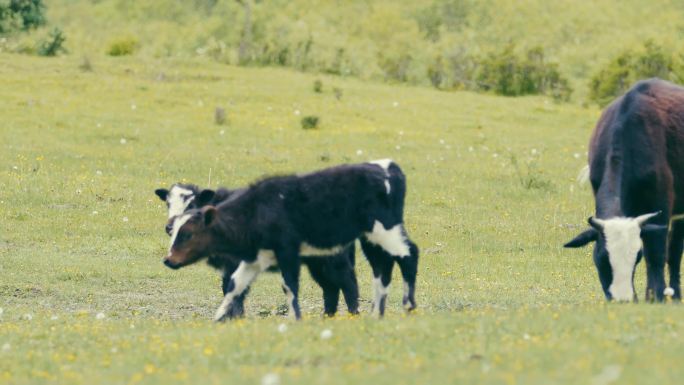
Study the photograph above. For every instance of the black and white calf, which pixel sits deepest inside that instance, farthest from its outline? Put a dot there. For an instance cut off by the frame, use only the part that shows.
(278, 219)
(333, 274)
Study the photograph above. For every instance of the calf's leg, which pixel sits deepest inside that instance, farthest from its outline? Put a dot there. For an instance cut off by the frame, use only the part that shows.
(239, 301)
(289, 263)
(239, 282)
(381, 263)
(409, 271)
(331, 292)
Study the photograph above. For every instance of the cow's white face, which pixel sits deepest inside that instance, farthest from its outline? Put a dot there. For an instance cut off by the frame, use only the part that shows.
(623, 243)
(178, 199)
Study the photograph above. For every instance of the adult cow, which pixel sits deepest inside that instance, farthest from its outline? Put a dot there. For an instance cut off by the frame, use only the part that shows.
(636, 165)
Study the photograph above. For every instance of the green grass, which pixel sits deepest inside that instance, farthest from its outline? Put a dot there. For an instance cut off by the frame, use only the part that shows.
(500, 300)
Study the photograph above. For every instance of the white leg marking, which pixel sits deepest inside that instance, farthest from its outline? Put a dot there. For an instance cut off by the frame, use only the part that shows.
(392, 241)
(177, 224)
(243, 277)
(290, 301)
(179, 199)
(308, 250)
(379, 291)
(406, 289)
(387, 186)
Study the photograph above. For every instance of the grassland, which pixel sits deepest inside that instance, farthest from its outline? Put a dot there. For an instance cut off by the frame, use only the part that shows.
(492, 196)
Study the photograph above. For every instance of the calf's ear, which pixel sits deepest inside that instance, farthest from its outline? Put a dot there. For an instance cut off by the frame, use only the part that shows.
(583, 239)
(205, 196)
(162, 193)
(209, 215)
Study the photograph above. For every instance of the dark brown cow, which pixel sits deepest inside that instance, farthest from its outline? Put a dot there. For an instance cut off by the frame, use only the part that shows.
(636, 164)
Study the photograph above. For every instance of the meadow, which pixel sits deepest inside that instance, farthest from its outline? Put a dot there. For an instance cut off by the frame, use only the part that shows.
(492, 196)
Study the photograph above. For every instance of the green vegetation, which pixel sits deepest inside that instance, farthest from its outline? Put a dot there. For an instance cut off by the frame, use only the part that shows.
(21, 15)
(193, 96)
(53, 44)
(444, 43)
(651, 60)
(122, 46)
(500, 300)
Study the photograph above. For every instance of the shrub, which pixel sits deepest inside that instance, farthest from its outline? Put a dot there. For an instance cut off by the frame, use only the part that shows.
(310, 122)
(506, 73)
(21, 14)
(122, 46)
(616, 77)
(318, 86)
(53, 45)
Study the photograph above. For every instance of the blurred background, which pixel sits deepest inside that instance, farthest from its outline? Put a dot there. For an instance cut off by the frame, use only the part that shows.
(582, 51)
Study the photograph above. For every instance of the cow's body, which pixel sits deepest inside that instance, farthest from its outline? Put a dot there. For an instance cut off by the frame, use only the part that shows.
(332, 274)
(278, 219)
(636, 163)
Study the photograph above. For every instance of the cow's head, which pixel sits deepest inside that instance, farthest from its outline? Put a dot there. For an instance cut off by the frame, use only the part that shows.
(181, 198)
(191, 237)
(619, 240)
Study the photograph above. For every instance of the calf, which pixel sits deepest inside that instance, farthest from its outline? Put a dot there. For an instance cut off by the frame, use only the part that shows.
(277, 219)
(332, 274)
(636, 169)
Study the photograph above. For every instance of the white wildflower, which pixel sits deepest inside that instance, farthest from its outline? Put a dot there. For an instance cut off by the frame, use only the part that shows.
(282, 328)
(100, 315)
(270, 379)
(326, 334)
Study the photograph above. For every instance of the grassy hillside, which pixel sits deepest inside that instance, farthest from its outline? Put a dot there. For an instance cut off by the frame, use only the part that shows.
(492, 196)
(388, 40)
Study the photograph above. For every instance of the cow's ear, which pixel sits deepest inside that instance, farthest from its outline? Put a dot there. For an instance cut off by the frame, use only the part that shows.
(588, 236)
(205, 196)
(209, 214)
(162, 193)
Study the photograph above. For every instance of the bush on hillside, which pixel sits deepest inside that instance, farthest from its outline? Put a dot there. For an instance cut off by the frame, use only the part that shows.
(442, 15)
(616, 77)
(122, 46)
(53, 44)
(21, 15)
(507, 73)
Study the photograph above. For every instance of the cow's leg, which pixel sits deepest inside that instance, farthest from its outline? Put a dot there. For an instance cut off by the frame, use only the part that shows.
(381, 263)
(348, 283)
(395, 243)
(654, 254)
(409, 270)
(239, 300)
(331, 292)
(239, 282)
(674, 257)
(289, 263)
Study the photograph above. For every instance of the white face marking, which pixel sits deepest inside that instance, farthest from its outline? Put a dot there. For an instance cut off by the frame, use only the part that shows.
(179, 199)
(380, 291)
(623, 242)
(384, 163)
(392, 241)
(307, 250)
(177, 224)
